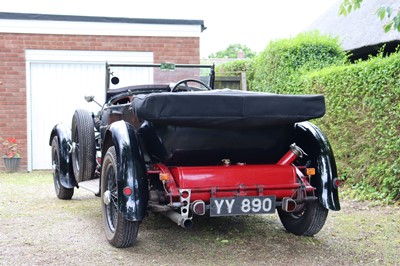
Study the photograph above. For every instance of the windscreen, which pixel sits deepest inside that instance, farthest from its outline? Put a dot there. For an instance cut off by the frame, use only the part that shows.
(165, 73)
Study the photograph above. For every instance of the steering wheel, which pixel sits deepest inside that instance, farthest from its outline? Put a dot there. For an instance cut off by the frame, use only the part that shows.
(186, 81)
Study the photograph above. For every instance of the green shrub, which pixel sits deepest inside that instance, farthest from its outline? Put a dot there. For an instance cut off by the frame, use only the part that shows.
(244, 65)
(235, 67)
(362, 121)
(279, 68)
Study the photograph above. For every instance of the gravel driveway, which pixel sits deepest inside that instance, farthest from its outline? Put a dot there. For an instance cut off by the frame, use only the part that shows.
(36, 228)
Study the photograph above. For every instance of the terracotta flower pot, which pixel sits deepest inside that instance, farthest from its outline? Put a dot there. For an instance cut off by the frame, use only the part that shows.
(12, 164)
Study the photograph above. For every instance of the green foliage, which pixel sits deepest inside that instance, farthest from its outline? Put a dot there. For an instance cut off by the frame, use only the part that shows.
(394, 19)
(279, 68)
(244, 65)
(235, 67)
(232, 52)
(347, 6)
(362, 103)
(362, 121)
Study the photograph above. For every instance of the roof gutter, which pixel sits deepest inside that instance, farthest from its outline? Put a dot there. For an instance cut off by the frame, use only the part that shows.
(73, 18)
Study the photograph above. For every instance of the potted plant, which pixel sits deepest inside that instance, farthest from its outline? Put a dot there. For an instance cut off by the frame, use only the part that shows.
(11, 157)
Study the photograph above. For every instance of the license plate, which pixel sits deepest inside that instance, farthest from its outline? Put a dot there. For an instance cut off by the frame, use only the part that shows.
(242, 205)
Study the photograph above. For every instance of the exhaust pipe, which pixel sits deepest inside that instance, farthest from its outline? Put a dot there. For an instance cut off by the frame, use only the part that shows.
(288, 204)
(177, 218)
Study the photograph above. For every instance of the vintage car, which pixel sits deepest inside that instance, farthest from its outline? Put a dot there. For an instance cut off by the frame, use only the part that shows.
(175, 146)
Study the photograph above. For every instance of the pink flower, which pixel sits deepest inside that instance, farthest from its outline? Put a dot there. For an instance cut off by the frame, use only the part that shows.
(11, 147)
(12, 140)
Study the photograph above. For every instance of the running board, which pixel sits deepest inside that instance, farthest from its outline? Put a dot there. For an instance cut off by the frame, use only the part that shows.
(91, 185)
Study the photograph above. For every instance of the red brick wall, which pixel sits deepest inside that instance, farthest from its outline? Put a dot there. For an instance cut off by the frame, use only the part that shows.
(13, 108)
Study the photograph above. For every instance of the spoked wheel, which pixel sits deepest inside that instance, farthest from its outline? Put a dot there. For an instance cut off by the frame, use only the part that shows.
(61, 192)
(84, 150)
(119, 231)
(305, 222)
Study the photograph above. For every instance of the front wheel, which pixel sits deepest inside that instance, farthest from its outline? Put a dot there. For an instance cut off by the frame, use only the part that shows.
(61, 191)
(119, 231)
(306, 222)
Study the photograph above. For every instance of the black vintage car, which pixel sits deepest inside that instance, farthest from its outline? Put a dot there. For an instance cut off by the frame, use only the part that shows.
(169, 143)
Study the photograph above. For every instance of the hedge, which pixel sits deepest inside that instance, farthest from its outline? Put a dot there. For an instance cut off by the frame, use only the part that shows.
(362, 102)
(279, 68)
(362, 121)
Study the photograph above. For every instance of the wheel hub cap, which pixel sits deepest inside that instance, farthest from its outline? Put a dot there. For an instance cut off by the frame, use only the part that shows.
(107, 197)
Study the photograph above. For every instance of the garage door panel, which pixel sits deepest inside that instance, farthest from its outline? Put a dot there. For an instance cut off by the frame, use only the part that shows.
(57, 89)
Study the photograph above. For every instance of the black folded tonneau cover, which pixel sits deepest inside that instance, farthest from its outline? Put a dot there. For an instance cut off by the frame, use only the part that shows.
(227, 108)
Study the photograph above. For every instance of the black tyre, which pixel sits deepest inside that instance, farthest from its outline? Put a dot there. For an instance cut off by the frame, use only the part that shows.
(84, 151)
(307, 222)
(61, 192)
(119, 231)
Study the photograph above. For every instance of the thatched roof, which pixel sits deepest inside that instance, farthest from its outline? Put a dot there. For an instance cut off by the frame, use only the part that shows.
(359, 30)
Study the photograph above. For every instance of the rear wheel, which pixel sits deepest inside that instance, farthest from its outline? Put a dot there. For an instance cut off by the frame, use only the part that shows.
(119, 231)
(306, 222)
(61, 192)
(84, 150)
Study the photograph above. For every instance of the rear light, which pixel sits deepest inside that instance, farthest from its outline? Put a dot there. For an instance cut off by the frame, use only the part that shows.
(336, 183)
(127, 191)
(198, 207)
(288, 204)
(310, 171)
(164, 177)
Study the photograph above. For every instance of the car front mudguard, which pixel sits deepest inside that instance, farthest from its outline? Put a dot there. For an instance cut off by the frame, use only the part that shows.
(67, 178)
(310, 138)
(130, 169)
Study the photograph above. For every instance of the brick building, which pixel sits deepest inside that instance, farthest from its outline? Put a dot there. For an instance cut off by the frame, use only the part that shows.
(49, 62)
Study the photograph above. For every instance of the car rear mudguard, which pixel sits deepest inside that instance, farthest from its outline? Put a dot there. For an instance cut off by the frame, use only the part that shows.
(67, 178)
(131, 169)
(316, 145)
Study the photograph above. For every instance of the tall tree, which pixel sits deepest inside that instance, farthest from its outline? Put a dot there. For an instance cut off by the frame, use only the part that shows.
(383, 12)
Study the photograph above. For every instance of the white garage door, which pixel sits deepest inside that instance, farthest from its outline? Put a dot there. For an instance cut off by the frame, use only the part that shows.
(57, 82)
